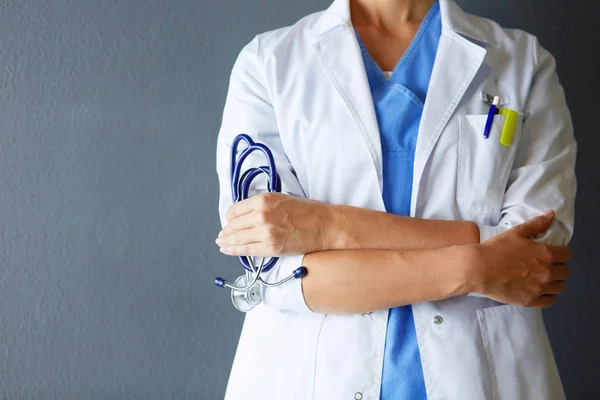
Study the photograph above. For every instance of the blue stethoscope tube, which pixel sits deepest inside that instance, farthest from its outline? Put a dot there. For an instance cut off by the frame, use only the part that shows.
(243, 296)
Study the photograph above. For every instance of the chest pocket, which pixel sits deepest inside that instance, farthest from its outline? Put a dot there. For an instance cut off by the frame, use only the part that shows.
(484, 166)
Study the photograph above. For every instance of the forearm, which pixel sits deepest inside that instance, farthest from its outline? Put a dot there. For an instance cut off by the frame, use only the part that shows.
(352, 281)
(360, 228)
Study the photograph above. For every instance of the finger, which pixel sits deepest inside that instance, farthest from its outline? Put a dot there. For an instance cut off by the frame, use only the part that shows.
(555, 287)
(535, 225)
(240, 208)
(253, 249)
(560, 254)
(242, 222)
(560, 272)
(239, 238)
(544, 301)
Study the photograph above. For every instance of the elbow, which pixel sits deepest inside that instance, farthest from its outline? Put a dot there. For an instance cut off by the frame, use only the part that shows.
(559, 234)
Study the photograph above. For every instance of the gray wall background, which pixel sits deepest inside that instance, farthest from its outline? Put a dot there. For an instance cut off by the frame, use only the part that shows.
(109, 111)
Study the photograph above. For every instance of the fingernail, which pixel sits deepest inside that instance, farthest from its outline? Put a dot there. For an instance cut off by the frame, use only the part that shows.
(219, 241)
(548, 214)
(225, 250)
(220, 234)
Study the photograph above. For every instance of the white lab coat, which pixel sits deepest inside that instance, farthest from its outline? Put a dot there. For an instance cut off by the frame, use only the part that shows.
(302, 90)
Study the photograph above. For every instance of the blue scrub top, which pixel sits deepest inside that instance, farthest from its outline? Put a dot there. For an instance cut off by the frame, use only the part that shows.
(399, 106)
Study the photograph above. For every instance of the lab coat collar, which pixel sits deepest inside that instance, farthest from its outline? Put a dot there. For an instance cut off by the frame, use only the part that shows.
(454, 19)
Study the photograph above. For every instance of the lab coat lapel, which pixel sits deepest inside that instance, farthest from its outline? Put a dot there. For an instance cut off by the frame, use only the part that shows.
(457, 61)
(340, 57)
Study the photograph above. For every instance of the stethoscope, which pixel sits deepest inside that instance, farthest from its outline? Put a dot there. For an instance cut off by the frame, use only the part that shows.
(246, 291)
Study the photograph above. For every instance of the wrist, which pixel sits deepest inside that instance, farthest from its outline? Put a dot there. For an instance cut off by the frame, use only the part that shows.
(473, 268)
(336, 228)
(470, 269)
(328, 221)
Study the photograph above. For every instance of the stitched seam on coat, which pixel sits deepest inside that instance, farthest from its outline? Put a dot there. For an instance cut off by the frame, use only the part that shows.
(430, 384)
(487, 348)
(314, 383)
(336, 31)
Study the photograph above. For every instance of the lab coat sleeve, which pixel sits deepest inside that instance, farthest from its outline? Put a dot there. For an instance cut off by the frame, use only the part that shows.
(543, 174)
(248, 110)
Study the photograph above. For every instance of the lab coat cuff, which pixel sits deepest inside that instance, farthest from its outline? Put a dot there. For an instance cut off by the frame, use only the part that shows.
(289, 296)
(487, 232)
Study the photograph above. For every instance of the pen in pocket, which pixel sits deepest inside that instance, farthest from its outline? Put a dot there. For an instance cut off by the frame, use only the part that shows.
(490, 118)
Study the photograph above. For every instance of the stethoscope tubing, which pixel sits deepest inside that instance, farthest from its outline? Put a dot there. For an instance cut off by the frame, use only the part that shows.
(240, 187)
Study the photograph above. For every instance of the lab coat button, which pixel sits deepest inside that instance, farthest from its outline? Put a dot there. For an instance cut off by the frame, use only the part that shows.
(358, 396)
(438, 320)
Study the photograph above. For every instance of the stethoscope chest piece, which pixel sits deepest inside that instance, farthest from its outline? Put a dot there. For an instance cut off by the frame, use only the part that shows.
(245, 300)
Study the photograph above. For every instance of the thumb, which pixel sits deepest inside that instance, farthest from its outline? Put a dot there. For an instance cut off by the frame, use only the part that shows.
(536, 225)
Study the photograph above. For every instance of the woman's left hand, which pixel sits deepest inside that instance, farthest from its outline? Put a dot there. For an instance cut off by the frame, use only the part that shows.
(275, 224)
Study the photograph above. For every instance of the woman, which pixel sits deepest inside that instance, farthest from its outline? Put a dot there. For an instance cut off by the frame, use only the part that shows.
(415, 222)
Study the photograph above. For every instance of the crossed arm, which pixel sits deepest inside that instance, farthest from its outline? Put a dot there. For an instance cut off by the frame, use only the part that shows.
(361, 260)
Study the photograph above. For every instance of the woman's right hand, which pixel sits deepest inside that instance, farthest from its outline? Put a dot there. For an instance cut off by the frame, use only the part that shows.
(512, 268)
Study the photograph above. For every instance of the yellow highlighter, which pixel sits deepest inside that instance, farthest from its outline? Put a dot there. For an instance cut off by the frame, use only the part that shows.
(510, 123)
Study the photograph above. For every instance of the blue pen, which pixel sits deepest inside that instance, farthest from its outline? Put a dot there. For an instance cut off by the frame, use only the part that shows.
(490, 118)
